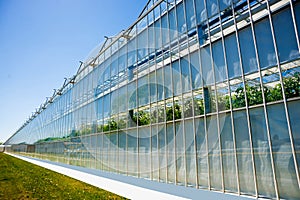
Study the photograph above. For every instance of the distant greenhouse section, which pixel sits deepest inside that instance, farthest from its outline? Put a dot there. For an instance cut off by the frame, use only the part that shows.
(197, 93)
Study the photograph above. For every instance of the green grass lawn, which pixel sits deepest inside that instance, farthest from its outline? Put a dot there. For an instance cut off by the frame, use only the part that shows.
(23, 180)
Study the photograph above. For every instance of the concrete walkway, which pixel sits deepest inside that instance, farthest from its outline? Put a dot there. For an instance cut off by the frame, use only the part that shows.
(129, 187)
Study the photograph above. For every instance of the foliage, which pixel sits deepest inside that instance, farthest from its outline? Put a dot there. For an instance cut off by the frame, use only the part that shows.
(188, 108)
(292, 86)
(143, 118)
(121, 124)
(23, 180)
(198, 106)
(168, 113)
(158, 115)
(274, 94)
(238, 99)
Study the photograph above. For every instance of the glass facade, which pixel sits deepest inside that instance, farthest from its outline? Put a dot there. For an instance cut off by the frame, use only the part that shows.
(198, 93)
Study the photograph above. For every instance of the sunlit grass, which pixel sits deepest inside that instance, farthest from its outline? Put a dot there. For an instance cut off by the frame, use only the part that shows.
(23, 180)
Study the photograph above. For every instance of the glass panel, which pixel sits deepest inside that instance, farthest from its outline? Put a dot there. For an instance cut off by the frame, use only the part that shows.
(212, 7)
(218, 61)
(160, 84)
(195, 70)
(200, 11)
(180, 165)
(224, 4)
(223, 97)
(282, 152)
(264, 174)
(209, 99)
(122, 61)
(144, 152)
(272, 85)
(176, 77)
(114, 102)
(169, 110)
(132, 95)
(232, 56)
(180, 18)
(247, 50)
(154, 153)
(171, 153)
(172, 25)
(132, 150)
(202, 163)
(168, 81)
(198, 103)
(294, 114)
(228, 153)
(158, 38)
(122, 99)
(237, 95)
(283, 28)
(207, 71)
(253, 90)
(190, 15)
(132, 56)
(297, 16)
(188, 105)
(264, 42)
(122, 152)
(165, 30)
(291, 82)
(153, 85)
(185, 74)
(143, 91)
(162, 153)
(106, 106)
(245, 165)
(100, 109)
(142, 49)
(213, 153)
(190, 154)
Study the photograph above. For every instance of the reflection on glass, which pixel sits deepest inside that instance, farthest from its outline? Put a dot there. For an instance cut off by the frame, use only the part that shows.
(200, 11)
(212, 7)
(245, 165)
(181, 25)
(247, 50)
(228, 153)
(232, 56)
(165, 30)
(144, 152)
(202, 155)
(176, 77)
(179, 148)
(218, 61)
(190, 154)
(282, 152)
(264, 42)
(213, 153)
(185, 74)
(190, 15)
(154, 153)
(261, 152)
(207, 71)
(294, 112)
(171, 153)
(162, 153)
(283, 28)
(195, 70)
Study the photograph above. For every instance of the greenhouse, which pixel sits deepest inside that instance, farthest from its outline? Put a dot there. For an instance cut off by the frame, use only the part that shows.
(197, 93)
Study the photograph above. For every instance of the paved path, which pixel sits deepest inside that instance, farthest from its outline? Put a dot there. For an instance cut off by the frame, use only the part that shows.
(129, 187)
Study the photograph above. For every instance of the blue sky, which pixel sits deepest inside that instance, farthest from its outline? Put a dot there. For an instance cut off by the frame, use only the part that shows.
(42, 41)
